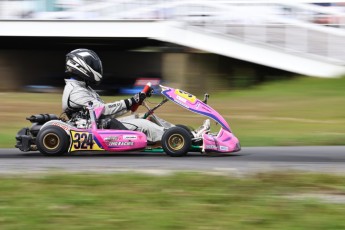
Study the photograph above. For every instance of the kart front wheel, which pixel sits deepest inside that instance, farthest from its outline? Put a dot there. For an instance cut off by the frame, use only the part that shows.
(52, 141)
(176, 142)
(187, 129)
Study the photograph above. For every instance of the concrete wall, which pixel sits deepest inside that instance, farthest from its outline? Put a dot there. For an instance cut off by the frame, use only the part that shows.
(205, 72)
(192, 71)
(9, 78)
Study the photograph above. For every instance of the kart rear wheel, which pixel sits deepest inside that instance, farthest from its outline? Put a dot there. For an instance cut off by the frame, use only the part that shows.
(52, 141)
(176, 142)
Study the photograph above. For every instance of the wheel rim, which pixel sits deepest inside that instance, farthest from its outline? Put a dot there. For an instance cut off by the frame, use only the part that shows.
(51, 141)
(176, 142)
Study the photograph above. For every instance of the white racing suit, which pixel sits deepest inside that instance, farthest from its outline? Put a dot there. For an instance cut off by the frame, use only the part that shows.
(77, 94)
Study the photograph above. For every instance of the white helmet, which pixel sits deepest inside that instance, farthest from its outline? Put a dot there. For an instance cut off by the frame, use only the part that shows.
(85, 64)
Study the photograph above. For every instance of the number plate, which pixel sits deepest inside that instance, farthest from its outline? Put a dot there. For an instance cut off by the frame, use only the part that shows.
(184, 96)
(82, 141)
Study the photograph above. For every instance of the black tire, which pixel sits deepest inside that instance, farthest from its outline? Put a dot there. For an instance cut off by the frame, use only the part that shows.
(187, 129)
(194, 142)
(52, 141)
(176, 142)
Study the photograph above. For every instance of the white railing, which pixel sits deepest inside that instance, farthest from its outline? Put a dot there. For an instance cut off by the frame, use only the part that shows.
(291, 26)
(288, 34)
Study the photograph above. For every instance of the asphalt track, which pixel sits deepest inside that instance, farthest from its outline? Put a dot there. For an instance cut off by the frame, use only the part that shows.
(323, 159)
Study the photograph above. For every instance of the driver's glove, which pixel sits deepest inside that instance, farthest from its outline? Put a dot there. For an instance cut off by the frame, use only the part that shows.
(149, 93)
(138, 98)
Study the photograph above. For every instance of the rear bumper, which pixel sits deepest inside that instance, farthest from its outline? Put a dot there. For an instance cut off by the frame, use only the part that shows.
(24, 141)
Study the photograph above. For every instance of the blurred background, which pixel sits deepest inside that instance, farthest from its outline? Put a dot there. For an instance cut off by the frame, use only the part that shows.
(190, 44)
(227, 48)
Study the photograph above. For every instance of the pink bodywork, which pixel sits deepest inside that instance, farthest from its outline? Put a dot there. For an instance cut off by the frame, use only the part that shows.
(117, 140)
(225, 140)
(120, 140)
(113, 140)
(98, 111)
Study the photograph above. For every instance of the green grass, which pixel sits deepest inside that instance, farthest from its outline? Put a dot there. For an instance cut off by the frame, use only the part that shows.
(300, 111)
(178, 201)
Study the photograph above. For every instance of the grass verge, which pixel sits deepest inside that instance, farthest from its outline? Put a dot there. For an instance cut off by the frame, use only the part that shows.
(301, 111)
(179, 201)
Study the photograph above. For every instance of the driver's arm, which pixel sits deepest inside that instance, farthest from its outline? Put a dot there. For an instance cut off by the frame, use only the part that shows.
(81, 97)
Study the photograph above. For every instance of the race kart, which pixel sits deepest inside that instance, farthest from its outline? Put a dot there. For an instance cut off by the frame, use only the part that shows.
(55, 136)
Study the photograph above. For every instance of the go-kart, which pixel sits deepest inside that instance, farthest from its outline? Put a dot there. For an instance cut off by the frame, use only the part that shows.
(54, 136)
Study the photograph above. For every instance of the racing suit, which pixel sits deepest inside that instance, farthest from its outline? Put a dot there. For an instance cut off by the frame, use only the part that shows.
(77, 94)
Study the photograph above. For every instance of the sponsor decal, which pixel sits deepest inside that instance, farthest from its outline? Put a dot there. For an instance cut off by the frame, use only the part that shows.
(114, 105)
(181, 99)
(211, 147)
(111, 138)
(121, 143)
(181, 104)
(130, 137)
(224, 148)
(65, 127)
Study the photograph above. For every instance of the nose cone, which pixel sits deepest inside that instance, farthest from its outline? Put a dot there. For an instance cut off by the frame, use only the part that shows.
(238, 147)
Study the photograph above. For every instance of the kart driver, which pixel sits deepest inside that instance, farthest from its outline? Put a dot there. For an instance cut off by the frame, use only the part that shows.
(84, 68)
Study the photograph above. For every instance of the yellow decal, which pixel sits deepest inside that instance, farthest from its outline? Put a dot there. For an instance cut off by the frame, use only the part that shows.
(191, 98)
(82, 141)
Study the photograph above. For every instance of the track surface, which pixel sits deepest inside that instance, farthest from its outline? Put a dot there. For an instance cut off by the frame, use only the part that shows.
(248, 160)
